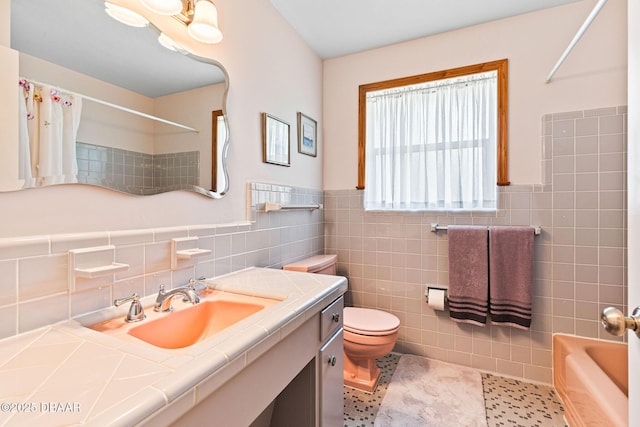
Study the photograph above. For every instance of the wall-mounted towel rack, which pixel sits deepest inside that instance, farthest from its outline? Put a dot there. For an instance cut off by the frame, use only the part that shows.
(271, 206)
(537, 230)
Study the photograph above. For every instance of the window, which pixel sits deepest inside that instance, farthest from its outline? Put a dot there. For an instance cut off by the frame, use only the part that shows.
(436, 141)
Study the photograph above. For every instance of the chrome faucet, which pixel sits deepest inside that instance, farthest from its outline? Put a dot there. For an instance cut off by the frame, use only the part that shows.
(163, 300)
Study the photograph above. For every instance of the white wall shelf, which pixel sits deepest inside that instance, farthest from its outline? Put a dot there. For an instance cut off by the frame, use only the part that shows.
(101, 270)
(192, 253)
(186, 249)
(92, 263)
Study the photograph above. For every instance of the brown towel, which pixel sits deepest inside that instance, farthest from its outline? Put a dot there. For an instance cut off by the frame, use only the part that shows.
(510, 275)
(468, 274)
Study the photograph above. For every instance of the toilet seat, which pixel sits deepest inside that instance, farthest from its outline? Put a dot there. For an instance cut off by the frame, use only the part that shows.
(366, 321)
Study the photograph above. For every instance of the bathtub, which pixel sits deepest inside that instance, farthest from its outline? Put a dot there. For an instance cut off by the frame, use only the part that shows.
(590, 376)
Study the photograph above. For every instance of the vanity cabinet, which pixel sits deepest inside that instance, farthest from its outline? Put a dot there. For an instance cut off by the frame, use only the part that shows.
(330, 363)
(331, 318)
(330, 380)
(298, 381)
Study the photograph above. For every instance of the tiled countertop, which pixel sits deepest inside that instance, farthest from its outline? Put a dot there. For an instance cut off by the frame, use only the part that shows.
(67, 374)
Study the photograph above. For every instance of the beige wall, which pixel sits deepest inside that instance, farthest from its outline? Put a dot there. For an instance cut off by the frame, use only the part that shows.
(270, 69)
(594, 75)
(8, 114)
(193, 107)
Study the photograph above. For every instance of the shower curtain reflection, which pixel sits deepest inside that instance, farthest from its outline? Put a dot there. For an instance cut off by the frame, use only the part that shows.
(48, 128)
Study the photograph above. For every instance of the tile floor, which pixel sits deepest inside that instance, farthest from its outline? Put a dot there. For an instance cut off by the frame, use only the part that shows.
(509, 402)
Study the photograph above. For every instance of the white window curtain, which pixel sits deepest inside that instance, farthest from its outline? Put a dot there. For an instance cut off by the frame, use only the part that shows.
(48, 129)
(432, 146)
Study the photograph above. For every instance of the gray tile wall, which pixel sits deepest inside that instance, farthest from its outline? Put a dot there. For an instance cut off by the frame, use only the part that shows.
(34, 277)
(134, 172)
(580, 256)
(176, 171)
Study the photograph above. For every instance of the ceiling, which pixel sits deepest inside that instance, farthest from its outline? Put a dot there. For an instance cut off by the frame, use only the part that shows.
(340, 27)
(90, 42)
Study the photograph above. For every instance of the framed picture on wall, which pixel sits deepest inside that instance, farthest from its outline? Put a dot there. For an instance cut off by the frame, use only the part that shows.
(307, 135)
(275, 140)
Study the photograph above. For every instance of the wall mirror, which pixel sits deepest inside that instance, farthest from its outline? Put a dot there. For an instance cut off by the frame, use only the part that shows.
(72, 52)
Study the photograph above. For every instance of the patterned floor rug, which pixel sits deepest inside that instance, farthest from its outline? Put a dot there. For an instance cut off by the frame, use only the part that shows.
(508, 402)
(430, 393)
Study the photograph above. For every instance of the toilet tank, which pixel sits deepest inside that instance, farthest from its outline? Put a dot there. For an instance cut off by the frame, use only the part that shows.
(320, 264)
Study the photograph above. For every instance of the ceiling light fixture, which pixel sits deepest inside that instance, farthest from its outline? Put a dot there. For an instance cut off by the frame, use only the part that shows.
(124, 15)
(167, 42)
(204, 26)
(200, 17)
(163, 7)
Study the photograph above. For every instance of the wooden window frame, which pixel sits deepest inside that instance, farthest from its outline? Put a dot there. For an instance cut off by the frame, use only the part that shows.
(501, 66)
(214, 149)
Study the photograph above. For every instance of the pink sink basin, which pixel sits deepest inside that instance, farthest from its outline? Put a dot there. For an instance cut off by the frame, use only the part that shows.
(187, 327)
(188, 324)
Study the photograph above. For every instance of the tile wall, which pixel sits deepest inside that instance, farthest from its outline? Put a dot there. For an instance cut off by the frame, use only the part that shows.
(35, 288)
(134, 172)
(174, 171)
(580, 256)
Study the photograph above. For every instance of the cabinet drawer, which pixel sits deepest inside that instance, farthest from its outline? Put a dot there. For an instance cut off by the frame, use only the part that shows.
(331, 318)
(331, 381)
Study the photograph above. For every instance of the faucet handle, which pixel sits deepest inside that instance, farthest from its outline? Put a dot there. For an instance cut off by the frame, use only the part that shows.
(160, 297)
(191, 287)
(192, 282)
(136, 312)
(133, 297)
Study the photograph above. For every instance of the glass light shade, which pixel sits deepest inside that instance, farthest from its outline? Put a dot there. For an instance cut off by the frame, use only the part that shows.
(124, 15)
(167, 42)
(163, 7)
(204, 26)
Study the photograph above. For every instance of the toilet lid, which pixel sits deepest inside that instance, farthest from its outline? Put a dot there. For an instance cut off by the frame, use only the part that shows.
(366, 321)
(312, 264)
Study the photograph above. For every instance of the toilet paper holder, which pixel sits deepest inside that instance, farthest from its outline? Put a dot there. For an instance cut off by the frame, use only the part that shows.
(446, 292)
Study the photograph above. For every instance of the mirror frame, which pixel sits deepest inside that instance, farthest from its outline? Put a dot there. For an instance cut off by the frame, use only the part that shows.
(214, 192)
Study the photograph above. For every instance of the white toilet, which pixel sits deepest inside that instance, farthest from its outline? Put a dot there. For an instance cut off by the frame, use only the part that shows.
(368, 334)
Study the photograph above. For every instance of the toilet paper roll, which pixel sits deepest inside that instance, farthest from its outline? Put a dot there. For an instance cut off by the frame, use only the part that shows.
(436, 299)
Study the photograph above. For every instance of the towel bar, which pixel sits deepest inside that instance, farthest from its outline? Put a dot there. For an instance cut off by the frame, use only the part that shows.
(537, 230)
(271, 206)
